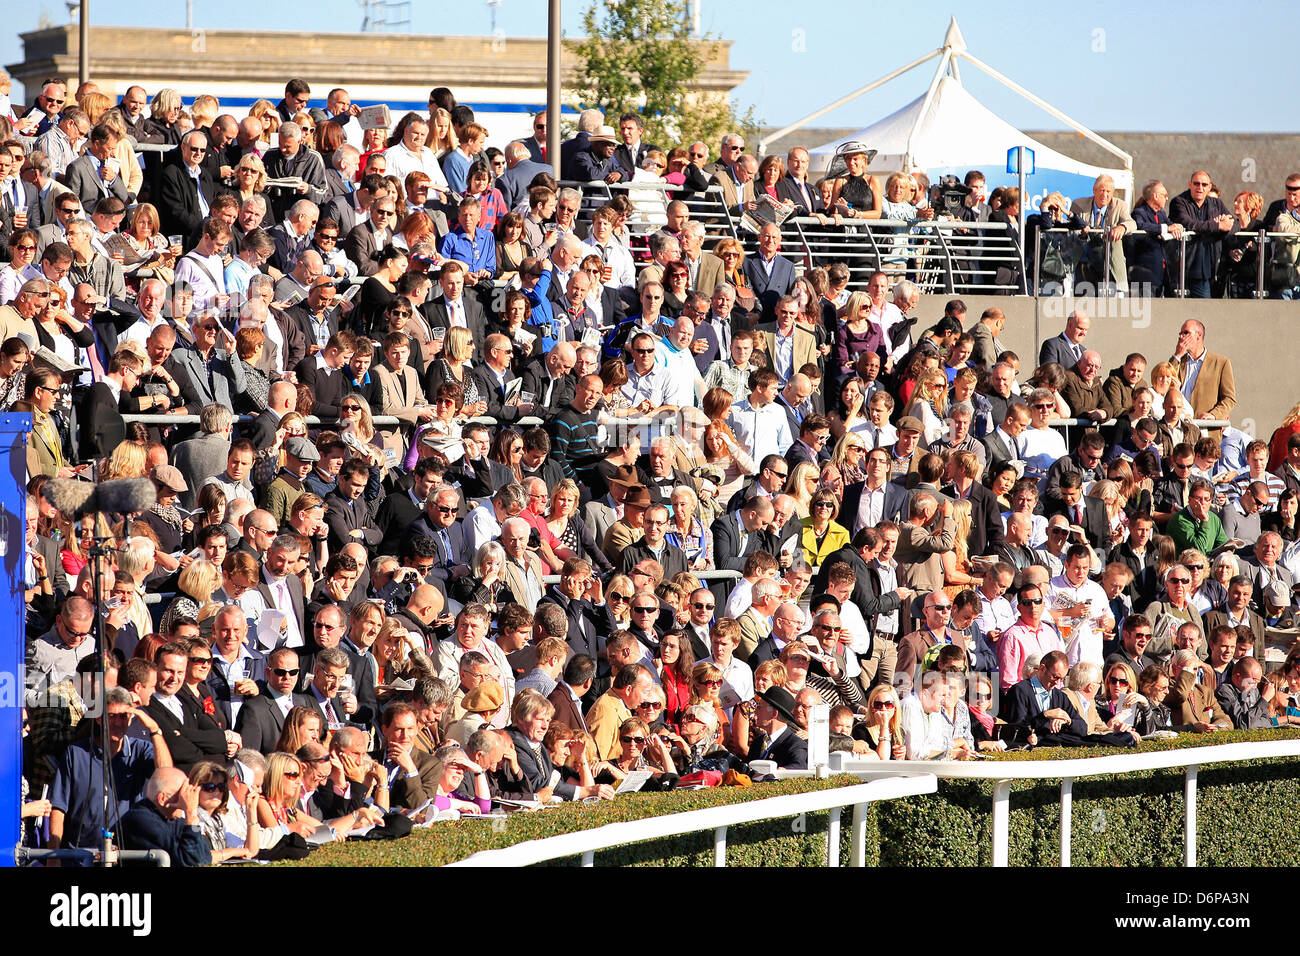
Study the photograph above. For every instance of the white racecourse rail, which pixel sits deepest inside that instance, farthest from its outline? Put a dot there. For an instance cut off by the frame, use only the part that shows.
(1003, 773)
(717, 819)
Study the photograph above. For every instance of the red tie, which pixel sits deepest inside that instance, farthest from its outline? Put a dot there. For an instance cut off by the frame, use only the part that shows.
(541, 148)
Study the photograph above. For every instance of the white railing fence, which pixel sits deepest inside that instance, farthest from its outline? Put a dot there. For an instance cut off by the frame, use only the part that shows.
(585, 843)
(1004, 773)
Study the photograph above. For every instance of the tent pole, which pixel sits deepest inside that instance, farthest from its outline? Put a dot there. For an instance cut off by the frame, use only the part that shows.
(925, 104)
(773, 137)
(1048, 107)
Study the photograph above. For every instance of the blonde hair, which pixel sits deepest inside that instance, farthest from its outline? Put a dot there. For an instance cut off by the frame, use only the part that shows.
(460, 344)
(254, 162)
(199, 580)
(447, 143)
(277, 764)
(128, 460)
(94, 105)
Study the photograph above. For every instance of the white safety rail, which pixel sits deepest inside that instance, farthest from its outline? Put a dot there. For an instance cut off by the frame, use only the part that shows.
(1004, 773)
(585, 843)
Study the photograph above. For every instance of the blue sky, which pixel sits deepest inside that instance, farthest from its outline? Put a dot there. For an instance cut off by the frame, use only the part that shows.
(1191, 65)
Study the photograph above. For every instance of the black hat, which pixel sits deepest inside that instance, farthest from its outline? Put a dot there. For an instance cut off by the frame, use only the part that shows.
(782, 700)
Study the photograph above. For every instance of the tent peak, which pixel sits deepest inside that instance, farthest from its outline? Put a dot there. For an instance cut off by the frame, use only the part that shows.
(953, 39)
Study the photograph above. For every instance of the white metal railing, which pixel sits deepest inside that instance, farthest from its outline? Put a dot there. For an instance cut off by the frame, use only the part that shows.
(585, 843)
(1005, 772)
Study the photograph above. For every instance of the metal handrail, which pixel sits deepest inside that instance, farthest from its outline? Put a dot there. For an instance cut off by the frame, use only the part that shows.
(1004, 772)
(585, 843)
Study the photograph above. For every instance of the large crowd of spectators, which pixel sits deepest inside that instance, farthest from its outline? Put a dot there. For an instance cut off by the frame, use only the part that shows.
(444, 478)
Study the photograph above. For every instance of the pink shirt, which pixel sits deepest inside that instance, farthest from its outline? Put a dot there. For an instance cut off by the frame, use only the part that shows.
(1018, 642)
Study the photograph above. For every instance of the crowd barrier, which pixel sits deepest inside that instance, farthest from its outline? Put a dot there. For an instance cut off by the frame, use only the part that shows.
(585, 843)
(1004, 773)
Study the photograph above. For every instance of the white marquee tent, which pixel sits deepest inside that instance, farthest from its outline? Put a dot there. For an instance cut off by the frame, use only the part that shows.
(948, 131)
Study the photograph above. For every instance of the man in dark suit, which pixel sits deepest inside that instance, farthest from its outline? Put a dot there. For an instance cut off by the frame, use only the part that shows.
(550, 381)
(367, 239)
(92, 175)
(19, 195)
(181, 184)
(280, 401)
(738, 534)
(1067, 348)
(1041, 705)
(780, 743)
(630, 154)
(351, 209)
(323, 374)
(349, 515)
(455, 307)
(770, 274)
(814, 434)
(1003, 443)
(888, 500)
(579, 675)
(400, 509)
(104, 427)
(794, 186)
(536, 144)
(519, 174)
(589, 122)
(283, 591)
(986, 516)
(1088, 513)
(1236, 612)
(191, 735)
(493, 378)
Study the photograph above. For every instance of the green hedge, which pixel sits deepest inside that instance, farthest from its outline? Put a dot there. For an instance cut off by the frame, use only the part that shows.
(1128, 820)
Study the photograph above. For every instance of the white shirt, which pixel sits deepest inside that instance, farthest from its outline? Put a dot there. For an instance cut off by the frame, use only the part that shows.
(871, 509)
(652, 386)
(737, 684)
(1041, 447)
(923, 733)
(401, 162)
(763, 431)
(1084, 641)
(618, 259)
(205, 289)
(480, 527)
(994, 615)
(679, 364)
(283, 601)
(739, 600)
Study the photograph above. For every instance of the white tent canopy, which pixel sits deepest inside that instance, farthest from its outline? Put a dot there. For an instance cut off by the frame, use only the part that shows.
(948, 131)
(954, 132)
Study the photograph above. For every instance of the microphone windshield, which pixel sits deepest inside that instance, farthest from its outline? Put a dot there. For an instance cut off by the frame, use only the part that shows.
(68, 495)
(124, 496)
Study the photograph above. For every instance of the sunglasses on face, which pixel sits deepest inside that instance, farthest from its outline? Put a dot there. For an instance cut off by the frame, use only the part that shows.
(639, 741)
(284, 671)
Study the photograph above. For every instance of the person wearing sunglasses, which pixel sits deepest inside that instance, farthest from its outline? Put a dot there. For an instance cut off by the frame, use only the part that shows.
(641, 750)
(1039, 704)
(1031, 634)
(261, 718)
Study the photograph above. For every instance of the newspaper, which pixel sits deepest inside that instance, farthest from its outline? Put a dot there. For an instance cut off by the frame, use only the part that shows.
(48, 358)
(287, 182)
(374, 117)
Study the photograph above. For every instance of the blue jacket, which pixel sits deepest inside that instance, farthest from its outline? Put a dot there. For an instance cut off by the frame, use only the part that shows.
(145, 828)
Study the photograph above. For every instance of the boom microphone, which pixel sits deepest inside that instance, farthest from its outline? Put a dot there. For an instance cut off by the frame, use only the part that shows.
(124, 496)
(79, 498)
(68, 495)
